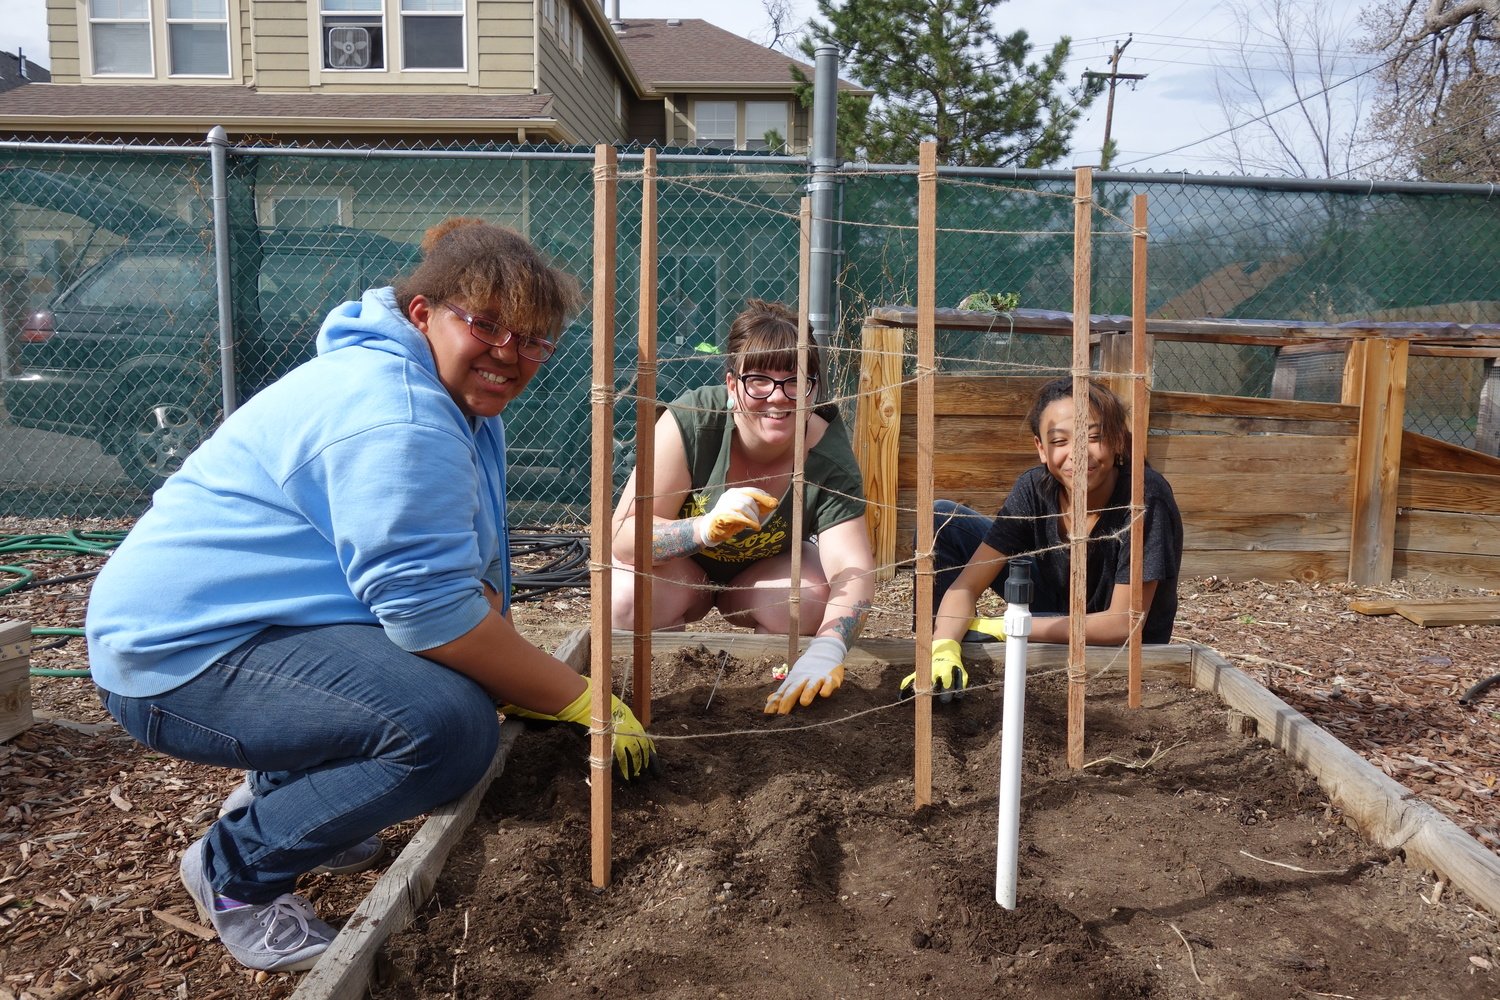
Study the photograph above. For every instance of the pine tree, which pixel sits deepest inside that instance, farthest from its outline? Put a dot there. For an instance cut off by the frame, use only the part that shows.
(940, 70)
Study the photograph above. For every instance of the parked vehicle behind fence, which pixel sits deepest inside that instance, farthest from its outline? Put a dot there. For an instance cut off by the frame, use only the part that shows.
(129, 355)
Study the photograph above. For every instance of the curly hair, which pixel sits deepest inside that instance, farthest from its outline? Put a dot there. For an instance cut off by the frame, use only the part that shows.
(489, 267)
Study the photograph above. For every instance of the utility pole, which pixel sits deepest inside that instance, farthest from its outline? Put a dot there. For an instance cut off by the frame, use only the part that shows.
(1114, 76)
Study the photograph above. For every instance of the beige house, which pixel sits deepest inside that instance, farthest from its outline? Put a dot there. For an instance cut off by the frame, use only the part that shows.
(534, 71)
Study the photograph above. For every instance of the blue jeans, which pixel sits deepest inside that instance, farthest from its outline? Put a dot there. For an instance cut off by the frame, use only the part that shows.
(343, 733)
(957, 532)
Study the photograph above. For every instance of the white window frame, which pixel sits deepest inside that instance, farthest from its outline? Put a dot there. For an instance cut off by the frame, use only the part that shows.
(228, 54)
(785, 129)
(733, 137)
(565, 25)
(382, 13)
(462, 15)
(265, 207)
(150, 71)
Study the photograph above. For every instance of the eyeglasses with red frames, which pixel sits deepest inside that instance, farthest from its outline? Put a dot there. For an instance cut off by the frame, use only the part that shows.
(758, 386)
(492, 334)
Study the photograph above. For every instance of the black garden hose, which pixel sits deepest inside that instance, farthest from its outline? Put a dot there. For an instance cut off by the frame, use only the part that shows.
(1472, 695)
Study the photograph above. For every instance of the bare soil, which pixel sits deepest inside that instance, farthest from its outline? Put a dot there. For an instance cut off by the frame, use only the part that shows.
(783, 857)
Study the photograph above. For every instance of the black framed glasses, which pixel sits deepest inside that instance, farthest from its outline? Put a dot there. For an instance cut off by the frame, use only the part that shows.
(758, 386)
(492, 334)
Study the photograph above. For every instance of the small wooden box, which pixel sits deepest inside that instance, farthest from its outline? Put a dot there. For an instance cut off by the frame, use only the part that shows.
(15, 678)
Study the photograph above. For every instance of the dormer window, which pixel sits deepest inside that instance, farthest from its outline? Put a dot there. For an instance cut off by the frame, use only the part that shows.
(353, 34)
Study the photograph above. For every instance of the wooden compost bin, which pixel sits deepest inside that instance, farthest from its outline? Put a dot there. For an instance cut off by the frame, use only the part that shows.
(1269, 488)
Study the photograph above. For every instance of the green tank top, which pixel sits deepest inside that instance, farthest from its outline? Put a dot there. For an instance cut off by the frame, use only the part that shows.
(834, 492)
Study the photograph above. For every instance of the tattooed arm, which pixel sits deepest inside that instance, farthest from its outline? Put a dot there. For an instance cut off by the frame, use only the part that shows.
(671, 537)
(850, 568)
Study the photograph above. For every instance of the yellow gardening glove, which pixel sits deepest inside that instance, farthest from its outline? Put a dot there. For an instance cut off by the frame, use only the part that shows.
(635, 752)
(948, 673)
(740, 508)
(985, 630)
(818, 671)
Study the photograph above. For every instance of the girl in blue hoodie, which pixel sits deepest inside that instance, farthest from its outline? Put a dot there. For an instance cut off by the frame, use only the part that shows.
(320, 597)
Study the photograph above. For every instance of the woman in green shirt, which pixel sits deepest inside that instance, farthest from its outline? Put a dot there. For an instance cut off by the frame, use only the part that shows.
(724, 456)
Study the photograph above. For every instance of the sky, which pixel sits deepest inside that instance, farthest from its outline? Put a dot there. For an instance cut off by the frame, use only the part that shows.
(1158, 122)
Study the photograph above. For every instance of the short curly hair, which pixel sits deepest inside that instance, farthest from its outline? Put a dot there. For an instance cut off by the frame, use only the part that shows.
(489, 267)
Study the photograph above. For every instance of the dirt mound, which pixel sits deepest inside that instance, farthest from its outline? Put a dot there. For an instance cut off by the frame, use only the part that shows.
(779, 858)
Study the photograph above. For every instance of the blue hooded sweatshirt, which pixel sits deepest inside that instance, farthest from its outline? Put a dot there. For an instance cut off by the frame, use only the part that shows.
(353, 490)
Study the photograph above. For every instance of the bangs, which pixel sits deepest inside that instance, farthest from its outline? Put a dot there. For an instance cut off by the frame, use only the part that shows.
(773, 354)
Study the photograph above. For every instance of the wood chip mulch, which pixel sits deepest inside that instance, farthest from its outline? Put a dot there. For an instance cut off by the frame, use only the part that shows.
(94, 825)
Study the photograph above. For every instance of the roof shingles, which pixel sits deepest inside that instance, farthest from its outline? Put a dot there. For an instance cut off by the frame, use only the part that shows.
(694, 51)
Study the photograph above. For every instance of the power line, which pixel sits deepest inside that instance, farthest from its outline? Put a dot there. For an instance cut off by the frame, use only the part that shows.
(1268, 114)
(1421, 142)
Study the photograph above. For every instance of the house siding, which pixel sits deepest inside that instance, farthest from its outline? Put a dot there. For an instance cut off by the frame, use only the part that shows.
(244, 54)
(505, 43)
(583, 99)
(279, 37)
(62, 38)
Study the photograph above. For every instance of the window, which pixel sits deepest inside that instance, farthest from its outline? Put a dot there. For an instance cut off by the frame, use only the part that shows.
(578, 42)
(619, 101)
(353, 34)
(146, 282)
(120, 37)
(762, 118)
(306, 210)
(549, 12)
(432, 34)
(713, 124)
(198, 37)
(565, 27)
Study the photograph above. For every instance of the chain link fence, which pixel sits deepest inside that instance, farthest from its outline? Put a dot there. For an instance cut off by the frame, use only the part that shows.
(113, 366)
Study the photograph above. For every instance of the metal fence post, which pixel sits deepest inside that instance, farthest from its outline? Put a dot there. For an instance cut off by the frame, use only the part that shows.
(821, 189)
(218, 142)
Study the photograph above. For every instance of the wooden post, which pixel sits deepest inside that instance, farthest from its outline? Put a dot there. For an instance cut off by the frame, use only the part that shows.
(877, 439)
(1354, 372)
(15, 678)
(606, 180)
(926, 408)
(799, 431)
(1140, 429)
(1377, 465)
(1077, 519)
(645, 445)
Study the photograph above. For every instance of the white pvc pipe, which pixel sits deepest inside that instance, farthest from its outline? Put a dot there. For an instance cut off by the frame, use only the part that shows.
(1008, 836)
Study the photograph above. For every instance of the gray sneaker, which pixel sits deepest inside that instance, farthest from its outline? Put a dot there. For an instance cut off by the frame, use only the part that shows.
(284, 935)
(363, 855)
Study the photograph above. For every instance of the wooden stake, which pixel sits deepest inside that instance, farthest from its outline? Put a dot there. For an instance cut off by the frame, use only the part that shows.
(606, 180)
(877, 439)
(799, 432)
(645, 444)
(1140, 422)
(1077, 520)
(926, 409)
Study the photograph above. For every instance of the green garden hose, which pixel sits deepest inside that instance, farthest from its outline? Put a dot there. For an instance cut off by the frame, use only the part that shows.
(90, 543)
